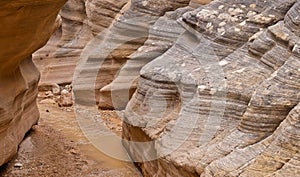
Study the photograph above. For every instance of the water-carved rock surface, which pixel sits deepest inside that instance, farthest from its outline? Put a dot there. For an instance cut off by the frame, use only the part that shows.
(219, 95)
(81, 21)
(222, 101)
(125, 35)
(162, 35)
(25, 27)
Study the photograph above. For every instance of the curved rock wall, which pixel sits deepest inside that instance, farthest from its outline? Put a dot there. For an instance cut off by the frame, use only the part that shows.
(215, 87)
(25, 27)
(125, 35)
(162, 34)
(81, 21)
(85, 20)
(222, 101)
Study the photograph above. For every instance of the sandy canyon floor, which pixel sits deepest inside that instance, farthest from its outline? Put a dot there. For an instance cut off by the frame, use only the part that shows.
(57, 147)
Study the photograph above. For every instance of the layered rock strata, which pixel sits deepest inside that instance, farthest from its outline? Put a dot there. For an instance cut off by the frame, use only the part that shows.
(26, 26)
(125, 35)
(116, 94)
(82, 20)
(222, 101)
(161, 37)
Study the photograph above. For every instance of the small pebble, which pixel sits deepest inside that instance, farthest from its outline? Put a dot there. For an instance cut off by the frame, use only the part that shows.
(251, 13)
(271, 15)
(243, 23)
(230, 10)
(213, 91)
(234, 19)
(64, 92)
(208, 25)
(221, 7)
(201, 87)
(68, 87)
(56, 91)
(18, 165)
(222, 24)
(144, 3)
(223, 63)
(260, 18)
(212, 16)
(237, 29)
(221, 31)
(252, 6)
(237, 11)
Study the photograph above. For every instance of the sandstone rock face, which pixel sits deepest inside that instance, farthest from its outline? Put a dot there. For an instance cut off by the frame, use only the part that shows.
(125, 35)
(161, 36)
(25, 27)
(86, 20)
(224, 99)
(81, 21)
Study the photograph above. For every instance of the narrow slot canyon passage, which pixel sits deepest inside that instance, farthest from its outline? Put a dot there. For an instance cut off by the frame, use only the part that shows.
(58, 147)
(149, 88)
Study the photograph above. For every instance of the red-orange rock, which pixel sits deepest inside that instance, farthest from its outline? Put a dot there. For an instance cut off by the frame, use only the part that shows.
(25, 27)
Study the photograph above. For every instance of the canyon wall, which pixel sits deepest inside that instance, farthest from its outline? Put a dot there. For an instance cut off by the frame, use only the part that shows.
(125, 35)
(85, 21)
(213, 88)
(162, 34)
(25, 27)
(82, 20)
(223, 100)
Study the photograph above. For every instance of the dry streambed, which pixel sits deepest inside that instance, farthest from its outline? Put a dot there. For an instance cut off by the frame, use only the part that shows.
(57, 147)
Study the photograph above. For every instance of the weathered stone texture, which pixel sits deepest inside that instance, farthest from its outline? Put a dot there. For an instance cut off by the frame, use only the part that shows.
(161, 37)
(125, 35)
(82, 20)
(233, 77)
(25, 27)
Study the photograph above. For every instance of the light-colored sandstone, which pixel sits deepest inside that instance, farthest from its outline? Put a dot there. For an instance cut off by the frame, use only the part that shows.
(25, 27)
(236, 100)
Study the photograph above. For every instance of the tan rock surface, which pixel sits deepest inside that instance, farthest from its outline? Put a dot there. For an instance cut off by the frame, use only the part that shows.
(81, 20)
(84, 20)
(25, 27)
(162, 34)
(222, 101)
(123, 37)
(218, 92)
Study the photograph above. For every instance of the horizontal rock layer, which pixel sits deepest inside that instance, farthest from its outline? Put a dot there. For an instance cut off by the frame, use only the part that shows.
(81, 21)
(26, 26)
(84, 21)
(114, 47)
(222, 101)
(161, 36)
